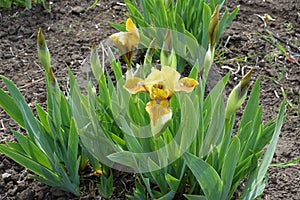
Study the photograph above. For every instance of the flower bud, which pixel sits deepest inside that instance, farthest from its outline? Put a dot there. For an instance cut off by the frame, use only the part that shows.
(238, 95)
(208, 61)
(150, 52)
(43, 51)
(167, 55)
(95, 62)
(52, 79)
(213, 29)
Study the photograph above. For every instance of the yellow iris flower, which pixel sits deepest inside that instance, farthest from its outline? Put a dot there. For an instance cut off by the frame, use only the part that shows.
(161, 85)
(127, 41)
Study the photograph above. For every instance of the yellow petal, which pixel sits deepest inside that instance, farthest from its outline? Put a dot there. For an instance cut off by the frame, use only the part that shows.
(159, 111)
(127, 40)
(154, 77)
(159, 91)
(119, 38)
(161, 83)
(186, 85)
(135, 85)
(171, 76)
(130, 26)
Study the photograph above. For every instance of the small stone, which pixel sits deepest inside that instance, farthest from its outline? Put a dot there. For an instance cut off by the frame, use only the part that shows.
(77, 10)
(6, 175)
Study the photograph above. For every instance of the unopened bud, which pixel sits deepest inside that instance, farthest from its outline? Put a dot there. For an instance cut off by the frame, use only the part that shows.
(238, 95)
(213, 29)
(167, 55)
(149, 53)
(95, 62)
(208, 61)
(43, 51)
(52, 79)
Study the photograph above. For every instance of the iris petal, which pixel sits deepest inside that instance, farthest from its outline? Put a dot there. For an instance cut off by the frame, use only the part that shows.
(159, 110)
(135, 85)
(186, 85)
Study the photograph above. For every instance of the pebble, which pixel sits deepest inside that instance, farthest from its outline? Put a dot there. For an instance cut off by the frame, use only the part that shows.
(77, 10)
(6, 175)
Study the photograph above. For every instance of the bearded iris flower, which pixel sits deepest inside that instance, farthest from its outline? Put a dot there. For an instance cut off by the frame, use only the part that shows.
(160, 85)
(127, 41)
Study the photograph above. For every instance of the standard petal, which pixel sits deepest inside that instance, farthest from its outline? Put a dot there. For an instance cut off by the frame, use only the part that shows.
(159, 111)
(186, 85)
(154, 77)
(130, 26)
(135, 85)
(171, 77)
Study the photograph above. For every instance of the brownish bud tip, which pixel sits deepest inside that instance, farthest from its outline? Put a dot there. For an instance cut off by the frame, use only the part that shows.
(245, 82)
(40, 38)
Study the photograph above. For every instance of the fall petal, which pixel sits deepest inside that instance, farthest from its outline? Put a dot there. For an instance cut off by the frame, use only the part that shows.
(159, 111)
(135, 85)
(128, 40)
(186, 85)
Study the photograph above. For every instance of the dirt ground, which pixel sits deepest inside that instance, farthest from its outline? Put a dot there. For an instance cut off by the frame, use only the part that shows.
(71, 29)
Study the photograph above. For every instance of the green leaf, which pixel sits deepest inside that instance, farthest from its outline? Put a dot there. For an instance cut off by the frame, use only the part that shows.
(194, 197)
(31, 150)
(229, 166)
(5, 3)
(105, 187)
(31, 123)
(245, 128)
(205, 24)
(119, 27)
(43, 115)
(256, 182)
(158, 176)
(264, 137)
(169, 196)
(139, 192)
(207, 177)
(72, 152)
(30, 164)
(172, 182)
(10, 107)
(256, 130)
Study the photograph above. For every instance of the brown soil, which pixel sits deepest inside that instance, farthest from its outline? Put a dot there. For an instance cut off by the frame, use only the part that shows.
(71, 29)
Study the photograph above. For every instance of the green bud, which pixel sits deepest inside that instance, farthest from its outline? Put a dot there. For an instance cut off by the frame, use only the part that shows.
(213, 29)
(208, 61)
(167, 4)
(167, 55)
(52, 79)
(238, 95)
(43, 51)
(95, 62)
(149, 53)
